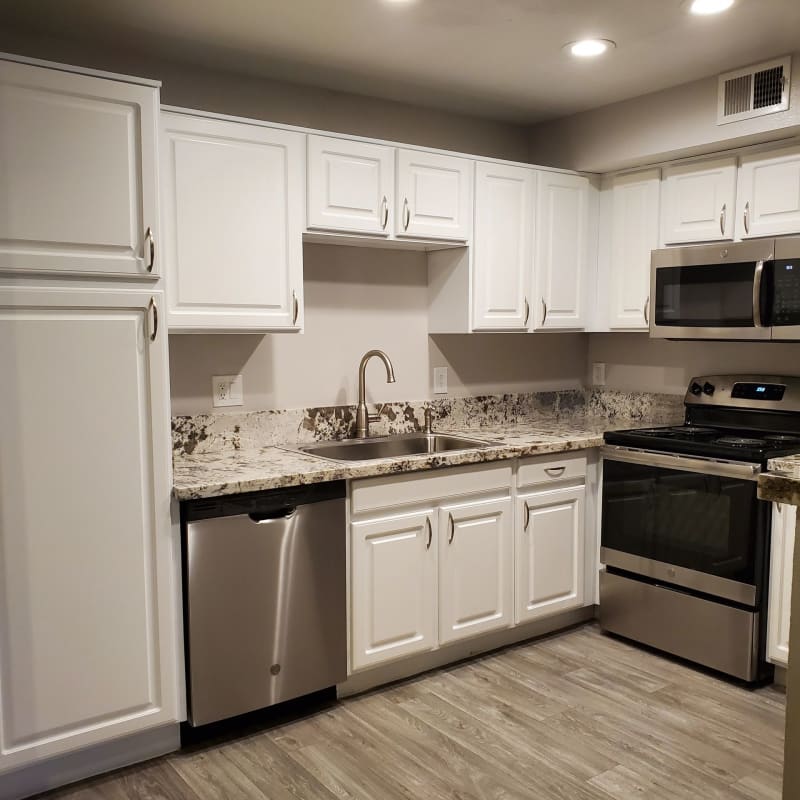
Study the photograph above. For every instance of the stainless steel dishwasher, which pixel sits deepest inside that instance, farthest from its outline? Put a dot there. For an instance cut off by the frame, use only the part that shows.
(264, 595)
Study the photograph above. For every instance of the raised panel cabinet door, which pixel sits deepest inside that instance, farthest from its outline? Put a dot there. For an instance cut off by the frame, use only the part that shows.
(350, 186)
(79, 174)
(502, 247)
(634, 234)
(88, 628)
(562, 252)
(698, 202)
(549, 552)
(769, 193)
(475, 568)
(434, 196)
(780, 582)
(233, 224)
(393, 588)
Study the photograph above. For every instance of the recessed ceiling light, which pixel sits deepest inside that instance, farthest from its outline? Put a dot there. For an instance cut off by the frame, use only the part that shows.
(704, 7)
(586, 48)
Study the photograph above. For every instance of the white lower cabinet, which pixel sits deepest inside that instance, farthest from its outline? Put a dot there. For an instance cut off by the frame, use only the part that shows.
(780, 587)
(475, 568)
(549, 552)
(88, 629)
(393, 587)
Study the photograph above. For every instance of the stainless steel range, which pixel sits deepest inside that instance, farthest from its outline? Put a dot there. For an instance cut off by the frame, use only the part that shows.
(685, 539)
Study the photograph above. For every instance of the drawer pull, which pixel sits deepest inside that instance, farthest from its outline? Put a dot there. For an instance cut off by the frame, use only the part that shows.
(554, 472)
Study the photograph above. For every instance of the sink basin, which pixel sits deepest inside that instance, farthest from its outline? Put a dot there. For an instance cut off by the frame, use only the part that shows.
(412, 444)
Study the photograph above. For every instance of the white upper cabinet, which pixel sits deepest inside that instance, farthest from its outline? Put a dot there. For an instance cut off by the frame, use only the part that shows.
(393, 588)
(549, 552)
(350, 186)
(634, 234)
(769, 193)
(88, 633)
(561, 262)
(476, 582)
(434, 196)
(78, 171)
(502, 261)
(698, 202)
(780, 582)
(233, 197)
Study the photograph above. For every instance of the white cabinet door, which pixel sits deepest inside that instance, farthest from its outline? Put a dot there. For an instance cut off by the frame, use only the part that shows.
(634, 234)
(475, 568)
(502, 247)
(549, 552)
(393, 588)
(562, 251)
(233, 223)
(780, 582)
(350, 186)
(698, 202)
(79, 174)
(434, 196)
(769, 193)
(88, 634)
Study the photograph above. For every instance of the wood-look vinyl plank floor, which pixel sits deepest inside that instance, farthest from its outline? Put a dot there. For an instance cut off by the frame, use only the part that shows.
(574, 716)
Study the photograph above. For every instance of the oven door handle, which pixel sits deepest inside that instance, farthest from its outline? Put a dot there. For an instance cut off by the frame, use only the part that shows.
(707, 466)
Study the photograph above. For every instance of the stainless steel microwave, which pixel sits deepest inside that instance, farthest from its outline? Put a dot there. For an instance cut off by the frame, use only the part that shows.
(743, 291)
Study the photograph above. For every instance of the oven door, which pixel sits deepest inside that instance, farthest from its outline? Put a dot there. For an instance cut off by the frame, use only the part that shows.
(691, 522)
(710, 292)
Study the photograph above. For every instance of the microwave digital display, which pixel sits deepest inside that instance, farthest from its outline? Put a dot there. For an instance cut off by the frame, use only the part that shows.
(786, 292)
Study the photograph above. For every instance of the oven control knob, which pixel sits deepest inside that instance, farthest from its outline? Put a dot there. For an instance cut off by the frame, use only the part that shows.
(695, 388)
(708, 388)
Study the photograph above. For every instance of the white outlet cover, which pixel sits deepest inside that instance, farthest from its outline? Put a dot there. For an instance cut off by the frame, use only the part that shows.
(598, 374)
(227, 390)
(440, 380)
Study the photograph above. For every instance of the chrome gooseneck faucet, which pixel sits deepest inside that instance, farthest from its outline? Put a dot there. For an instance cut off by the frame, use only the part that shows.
(363, 418)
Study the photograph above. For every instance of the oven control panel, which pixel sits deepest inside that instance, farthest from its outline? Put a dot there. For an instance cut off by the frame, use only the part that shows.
(785, 292)
(764, 392)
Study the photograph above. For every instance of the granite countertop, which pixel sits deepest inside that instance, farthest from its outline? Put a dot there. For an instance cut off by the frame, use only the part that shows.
(781, 482)
(213, 474)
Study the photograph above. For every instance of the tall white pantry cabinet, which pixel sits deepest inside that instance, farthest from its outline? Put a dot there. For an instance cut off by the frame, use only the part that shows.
(89, 648)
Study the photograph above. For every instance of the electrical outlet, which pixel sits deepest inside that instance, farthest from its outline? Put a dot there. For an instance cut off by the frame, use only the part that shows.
(598, 374)
(440, 380)
(227, 390)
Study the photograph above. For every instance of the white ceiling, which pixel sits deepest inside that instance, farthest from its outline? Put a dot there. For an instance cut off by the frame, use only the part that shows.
(492, 58)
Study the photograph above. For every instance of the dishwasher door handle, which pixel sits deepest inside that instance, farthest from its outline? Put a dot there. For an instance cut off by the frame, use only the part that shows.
(269, 516)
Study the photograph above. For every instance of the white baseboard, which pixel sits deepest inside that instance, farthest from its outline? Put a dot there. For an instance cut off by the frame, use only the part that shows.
(405, 668)
(71, 767)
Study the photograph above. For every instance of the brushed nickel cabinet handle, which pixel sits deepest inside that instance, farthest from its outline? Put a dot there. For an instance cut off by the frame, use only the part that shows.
(544, 311)
(452, 524)
(149, 238)
(384, 212)
(554, 472)
(406, 214)
(430, 533)
(295, 307)
(527, 517)
(722, 215)
(527, 312)
(151, 306)
(647, 311)
(747, 217)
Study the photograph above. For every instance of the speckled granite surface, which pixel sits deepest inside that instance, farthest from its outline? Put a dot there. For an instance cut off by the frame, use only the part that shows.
(211, 458)
(781, 482)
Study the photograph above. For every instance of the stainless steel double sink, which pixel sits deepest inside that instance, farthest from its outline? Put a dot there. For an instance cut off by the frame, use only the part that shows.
(410, 444)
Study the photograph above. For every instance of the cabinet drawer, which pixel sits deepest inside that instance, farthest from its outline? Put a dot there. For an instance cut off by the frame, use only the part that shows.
(549, 469)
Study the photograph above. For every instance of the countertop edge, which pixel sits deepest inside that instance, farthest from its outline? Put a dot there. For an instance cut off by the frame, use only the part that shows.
(779, 488)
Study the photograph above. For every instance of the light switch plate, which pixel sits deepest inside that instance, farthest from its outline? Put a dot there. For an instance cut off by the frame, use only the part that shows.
(440, 380)
(227, 390)
(598, 374)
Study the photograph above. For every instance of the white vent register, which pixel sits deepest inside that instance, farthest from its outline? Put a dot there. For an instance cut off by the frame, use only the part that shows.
(754, 91)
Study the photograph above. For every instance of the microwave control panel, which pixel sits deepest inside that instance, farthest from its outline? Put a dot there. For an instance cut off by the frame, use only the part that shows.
(786, 292)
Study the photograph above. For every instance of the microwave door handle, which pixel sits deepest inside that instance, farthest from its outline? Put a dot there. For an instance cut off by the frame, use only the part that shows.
(757, 279)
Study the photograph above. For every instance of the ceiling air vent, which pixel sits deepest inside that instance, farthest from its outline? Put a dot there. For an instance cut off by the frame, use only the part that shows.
(754, 91)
